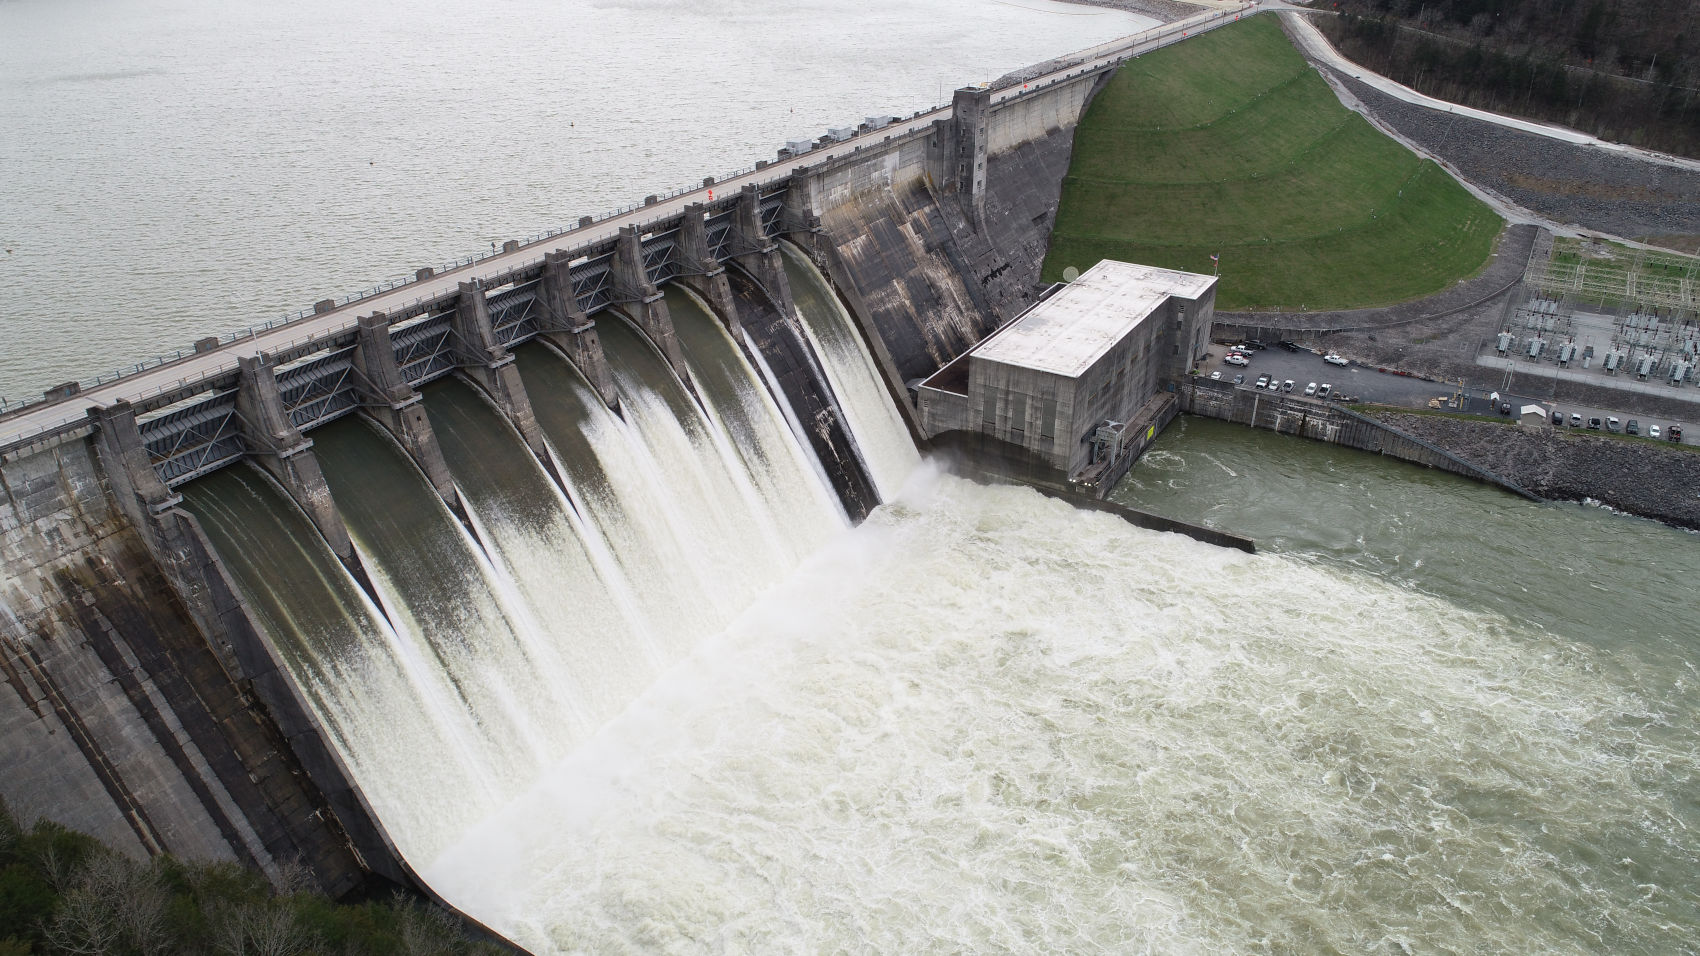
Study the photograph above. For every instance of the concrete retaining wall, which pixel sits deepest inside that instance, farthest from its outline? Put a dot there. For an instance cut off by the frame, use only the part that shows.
(1310, 418)
(1644, 477)
(121, 717)
(918, 273)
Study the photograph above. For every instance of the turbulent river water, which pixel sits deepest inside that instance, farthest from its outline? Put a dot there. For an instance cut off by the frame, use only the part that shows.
(986, 722)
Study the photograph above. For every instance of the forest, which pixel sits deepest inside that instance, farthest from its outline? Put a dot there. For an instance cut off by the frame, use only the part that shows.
(1622, 70)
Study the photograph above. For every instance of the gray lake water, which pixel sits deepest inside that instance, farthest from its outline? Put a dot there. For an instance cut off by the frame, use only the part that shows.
(182, 168)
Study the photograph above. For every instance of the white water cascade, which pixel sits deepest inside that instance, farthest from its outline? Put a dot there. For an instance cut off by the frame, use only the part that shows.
(871, 414)
(982, 720)
(501, 648)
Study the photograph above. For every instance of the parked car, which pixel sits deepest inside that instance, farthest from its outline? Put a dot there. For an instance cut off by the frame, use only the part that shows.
(1287, 386)
(1262, 382)
(1324, 390)
(1652, 431)
(1216, 375)
(1611, 423)
(1633, 428)
(1505, 408)
(1289, 346)
(1558, 418)
(1333, 359)
(1235, 358)
(1252, 345)
(1575, 420)
(1594, 423)
(1676, 433)
(1310, 389)
(1239, 379)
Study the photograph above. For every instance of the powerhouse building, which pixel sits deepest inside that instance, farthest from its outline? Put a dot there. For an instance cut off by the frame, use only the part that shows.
(1079, 381)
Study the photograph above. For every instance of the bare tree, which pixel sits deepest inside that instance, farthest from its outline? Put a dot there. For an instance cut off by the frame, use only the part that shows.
(110, 903)
(82, 926)
(259, 929)
(294, 876)
(60, 869)
(425, 932)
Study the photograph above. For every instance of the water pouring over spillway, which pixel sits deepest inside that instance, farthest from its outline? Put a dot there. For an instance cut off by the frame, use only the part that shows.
(675, 703)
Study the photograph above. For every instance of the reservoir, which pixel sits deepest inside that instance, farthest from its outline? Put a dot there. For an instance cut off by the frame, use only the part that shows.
(189, 169)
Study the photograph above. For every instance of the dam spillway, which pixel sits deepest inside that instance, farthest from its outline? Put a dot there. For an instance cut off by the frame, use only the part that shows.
(492, 651)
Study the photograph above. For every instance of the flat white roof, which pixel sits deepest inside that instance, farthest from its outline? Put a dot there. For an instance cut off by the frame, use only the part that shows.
(1069, 331)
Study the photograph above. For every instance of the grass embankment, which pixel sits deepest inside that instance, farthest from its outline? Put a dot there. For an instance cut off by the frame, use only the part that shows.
(1229, 143)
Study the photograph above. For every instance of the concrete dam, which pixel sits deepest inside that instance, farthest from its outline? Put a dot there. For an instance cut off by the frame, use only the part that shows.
(332, 591)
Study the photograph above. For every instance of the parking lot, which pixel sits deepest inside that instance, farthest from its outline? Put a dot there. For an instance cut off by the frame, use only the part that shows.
(1362, 383)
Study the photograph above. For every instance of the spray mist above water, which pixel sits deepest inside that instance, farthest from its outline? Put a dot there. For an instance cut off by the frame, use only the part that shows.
(985, 721)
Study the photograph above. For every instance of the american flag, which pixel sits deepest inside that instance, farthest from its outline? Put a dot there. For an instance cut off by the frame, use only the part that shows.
(1215, 258)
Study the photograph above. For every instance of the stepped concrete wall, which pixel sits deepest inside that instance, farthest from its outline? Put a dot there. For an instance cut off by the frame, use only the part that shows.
(121, 717)
(911, 263)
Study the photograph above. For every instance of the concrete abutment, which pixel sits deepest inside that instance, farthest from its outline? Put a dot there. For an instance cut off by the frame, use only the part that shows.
(127, 638)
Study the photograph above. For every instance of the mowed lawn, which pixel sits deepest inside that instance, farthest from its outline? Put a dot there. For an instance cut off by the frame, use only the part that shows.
(1229, 143)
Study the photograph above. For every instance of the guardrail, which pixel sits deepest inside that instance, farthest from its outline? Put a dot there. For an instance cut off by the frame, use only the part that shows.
(1101, 51)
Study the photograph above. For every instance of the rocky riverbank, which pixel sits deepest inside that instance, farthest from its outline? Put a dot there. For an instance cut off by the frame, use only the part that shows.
(1643, 477)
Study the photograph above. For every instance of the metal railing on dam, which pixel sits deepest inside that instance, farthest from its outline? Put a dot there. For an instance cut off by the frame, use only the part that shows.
(187, 402)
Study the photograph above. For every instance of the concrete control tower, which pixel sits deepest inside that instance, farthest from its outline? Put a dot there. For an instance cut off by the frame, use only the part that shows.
(1077, 384)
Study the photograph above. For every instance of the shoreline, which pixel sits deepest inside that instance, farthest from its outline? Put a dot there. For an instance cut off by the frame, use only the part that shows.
(1166, 11)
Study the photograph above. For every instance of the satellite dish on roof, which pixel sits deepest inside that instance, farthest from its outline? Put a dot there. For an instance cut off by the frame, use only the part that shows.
(1070, 274)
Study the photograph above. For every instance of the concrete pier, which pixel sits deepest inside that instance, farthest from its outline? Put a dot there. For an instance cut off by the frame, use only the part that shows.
(277, 446)
(703, 274)
(136, 487)
(490, 367)
(758, 255)
(641, 300)
(394, 404)
(573, 334)
(969, 108)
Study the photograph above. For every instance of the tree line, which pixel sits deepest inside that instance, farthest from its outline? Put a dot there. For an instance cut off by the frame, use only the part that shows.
(1622, 70)
(63, 893)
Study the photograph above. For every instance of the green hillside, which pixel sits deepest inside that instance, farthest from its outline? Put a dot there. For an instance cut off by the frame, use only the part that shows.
(1230, 144)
